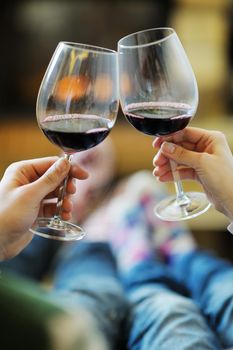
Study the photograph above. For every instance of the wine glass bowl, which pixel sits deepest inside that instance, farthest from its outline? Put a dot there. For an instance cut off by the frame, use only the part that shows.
(159, 96)
(77, 106)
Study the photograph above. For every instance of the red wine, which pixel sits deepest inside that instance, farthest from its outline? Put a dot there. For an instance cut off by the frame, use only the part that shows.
(158, 118)
(76, 132)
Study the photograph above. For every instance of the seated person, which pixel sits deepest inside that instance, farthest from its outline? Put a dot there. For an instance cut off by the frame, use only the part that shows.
(174, 304)
(85, 310)
(181, 297)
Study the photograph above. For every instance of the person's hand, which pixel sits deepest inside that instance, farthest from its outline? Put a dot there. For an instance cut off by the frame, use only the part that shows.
(200, 155)
(23, 188)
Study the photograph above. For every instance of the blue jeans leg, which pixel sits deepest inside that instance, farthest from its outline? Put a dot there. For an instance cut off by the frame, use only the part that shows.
(34, 261)
(87, 275)
(209, 280)
(162, 316)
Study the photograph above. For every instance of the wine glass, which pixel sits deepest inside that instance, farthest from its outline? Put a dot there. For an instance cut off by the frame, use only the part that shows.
(77, 107)
(159, 96)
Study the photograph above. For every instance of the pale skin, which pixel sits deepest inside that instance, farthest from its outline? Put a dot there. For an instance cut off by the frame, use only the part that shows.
(201, 155)
(23, 188)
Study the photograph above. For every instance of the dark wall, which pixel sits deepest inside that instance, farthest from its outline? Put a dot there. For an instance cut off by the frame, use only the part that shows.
(30, 31)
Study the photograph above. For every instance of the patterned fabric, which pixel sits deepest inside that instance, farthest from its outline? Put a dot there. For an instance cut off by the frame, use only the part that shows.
(127, 221)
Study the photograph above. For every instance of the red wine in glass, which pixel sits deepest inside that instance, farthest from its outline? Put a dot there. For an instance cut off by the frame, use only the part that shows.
(75, 132)
(158, 118)
(159, 97)
(76, 108)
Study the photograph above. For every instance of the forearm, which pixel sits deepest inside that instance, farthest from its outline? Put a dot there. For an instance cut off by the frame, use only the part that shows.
(3, 249)
(12, 242)
(226, 202)
(3, 238)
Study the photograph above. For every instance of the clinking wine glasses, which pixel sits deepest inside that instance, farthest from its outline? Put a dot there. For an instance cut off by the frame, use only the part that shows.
(77, 107)
(159, 96)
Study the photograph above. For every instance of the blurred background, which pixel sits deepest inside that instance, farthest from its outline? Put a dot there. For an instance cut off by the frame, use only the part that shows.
(30, 31)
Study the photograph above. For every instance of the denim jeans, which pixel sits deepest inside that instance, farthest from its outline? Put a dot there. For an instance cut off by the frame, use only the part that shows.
(209, 281)
(163, 316)
(179, 308)
(85, 278)
(35, 260)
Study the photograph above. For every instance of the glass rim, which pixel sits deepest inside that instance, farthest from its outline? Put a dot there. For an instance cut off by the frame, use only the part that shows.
(88, 47)
(172, 32)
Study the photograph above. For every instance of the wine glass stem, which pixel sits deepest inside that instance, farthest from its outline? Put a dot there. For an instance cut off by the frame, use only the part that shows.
(61, 193)
(181, 198)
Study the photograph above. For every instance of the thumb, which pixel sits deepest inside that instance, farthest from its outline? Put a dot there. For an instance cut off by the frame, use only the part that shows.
(52, 178)
(180, 155)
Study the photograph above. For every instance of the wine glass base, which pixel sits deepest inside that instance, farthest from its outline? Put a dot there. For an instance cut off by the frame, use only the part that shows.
(62, 231)
(169, 209)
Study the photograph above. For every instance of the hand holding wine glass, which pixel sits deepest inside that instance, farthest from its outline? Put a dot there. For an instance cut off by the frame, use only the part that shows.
(202, 155)
(159, 96)
(29, 188)
(77, 107)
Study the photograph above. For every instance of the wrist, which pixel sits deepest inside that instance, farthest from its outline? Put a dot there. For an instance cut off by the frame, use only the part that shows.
(3, 252)
(228, 208)
(4, 237)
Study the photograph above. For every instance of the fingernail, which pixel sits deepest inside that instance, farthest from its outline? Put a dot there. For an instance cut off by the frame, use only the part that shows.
(168, 147)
